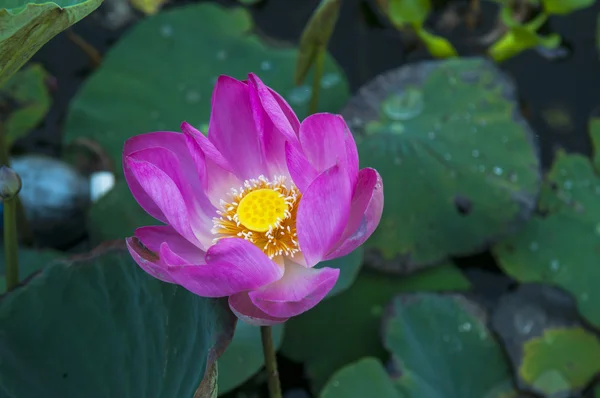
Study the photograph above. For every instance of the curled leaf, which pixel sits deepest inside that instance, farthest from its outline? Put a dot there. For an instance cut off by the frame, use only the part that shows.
(26, 26)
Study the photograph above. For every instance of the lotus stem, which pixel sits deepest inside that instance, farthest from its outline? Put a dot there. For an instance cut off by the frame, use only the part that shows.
(270, 362)
(314, 97)
(11, 243)
(26, 234)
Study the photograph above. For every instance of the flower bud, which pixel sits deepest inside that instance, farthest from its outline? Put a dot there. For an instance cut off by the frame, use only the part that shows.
(10, 183)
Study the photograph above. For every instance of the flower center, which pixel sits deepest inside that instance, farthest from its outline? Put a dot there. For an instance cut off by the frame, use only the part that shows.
(263, 212)
(261, 209)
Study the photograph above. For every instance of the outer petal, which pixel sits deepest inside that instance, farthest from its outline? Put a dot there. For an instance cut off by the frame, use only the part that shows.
(365, 213)
(148, 260)
(299, 290)
(244, 308)
(176, 191)
(167, 196)
(214, 171)
(233, 265)
(326, 141)
(323, 214)
(154, 236)
(299, 167)
(232, 129)
(162, 139)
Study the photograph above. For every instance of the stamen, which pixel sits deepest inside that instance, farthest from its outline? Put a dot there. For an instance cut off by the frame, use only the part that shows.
(263, 212)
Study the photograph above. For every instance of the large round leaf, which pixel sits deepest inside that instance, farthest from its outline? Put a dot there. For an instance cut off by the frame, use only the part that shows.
(458, 160)
(441, 348)
(349, 267)
(345, 328)
(363, 378)
(560, 246)
(162, 72)
(30, 261)
(28, 25)
(244, 356)
(99, 327)
(550, 350)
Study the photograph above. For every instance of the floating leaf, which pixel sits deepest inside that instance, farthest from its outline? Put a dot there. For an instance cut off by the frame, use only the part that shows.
(521, 37)
(541, 331)
(315, 36)
(249, 2)
(244, 355)
(360, 379)
(182, 51)
(561, 360)
(101, 327)
(562, 7)
(25, 100)
(346, 327)
(349, 267)
(28, 25)
(458, 159)
(560, 246)
(438, 343)
(30, 261)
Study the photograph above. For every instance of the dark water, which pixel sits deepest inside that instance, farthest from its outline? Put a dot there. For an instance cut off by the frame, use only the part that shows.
(366, 47)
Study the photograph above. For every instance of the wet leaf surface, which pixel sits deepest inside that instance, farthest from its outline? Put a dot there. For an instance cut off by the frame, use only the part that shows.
(560, 245)
(550, 350)
(346, 327)
(99, 326)
(459, 162)
(438, 343)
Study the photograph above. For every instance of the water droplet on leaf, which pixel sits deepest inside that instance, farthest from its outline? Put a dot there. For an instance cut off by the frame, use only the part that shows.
(330, 79)
(404, 106)
(300, 95)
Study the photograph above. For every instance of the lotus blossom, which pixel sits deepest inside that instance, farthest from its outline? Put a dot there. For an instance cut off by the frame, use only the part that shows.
(252, 207)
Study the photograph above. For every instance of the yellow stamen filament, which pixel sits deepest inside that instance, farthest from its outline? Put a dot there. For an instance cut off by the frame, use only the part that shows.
(264, 213)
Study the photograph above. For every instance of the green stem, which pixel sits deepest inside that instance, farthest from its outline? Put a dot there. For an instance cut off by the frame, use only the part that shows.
(11, 244)
(26, 234)
(270, 362)
(314, 98)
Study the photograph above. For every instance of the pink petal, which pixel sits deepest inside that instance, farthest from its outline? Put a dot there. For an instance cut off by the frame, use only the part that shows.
(214, 172)
(148, 260)
(299, 167)
(162, 139)
(323, 139)
(299, 290)
(243, 308)
(154, 236)
(365, 213)
(352, 156)
(233, 265)
(232, 129)
(280, 113)
(323, 214)
(169, 199)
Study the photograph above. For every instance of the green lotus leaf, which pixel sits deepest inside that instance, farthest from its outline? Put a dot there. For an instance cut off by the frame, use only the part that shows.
(458, 161)
(28, 25)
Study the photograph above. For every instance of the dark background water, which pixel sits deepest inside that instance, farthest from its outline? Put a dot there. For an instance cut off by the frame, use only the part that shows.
(366, 46)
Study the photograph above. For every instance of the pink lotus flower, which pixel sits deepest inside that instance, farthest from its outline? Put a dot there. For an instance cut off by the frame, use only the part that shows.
(251, 209)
